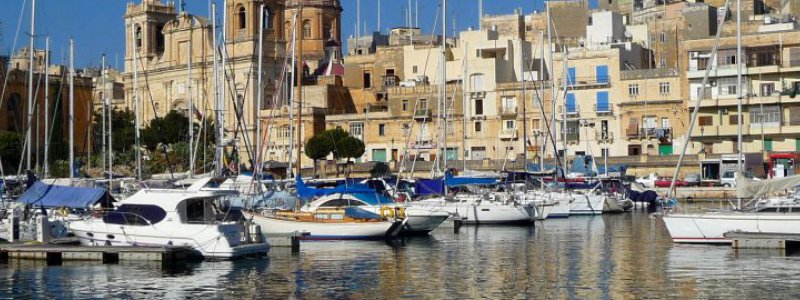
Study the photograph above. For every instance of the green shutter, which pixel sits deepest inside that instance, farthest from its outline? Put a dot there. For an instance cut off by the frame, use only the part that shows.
(797, 145)
(379, 155)
(664, 150)
(767, 145)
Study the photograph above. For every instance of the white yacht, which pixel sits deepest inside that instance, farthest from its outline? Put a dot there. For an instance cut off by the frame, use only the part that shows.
(190, 218)
(773, 215)
(488, 208)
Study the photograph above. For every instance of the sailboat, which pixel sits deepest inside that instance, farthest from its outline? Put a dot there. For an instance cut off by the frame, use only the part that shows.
(758, 216)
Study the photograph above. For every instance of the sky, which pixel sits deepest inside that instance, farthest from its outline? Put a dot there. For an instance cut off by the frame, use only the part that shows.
(97, 25)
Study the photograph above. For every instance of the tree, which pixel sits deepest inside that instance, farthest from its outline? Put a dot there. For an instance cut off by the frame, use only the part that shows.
(351, 147)
(165, 130)
(335, 136)
(318, 147)
(10, 151)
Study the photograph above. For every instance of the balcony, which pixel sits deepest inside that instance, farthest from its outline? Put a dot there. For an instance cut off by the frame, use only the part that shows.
(581, 83)
(606, 136)
(423, 144)
(508, 111)
(705, 131)
(664, 134)
(390, 81)
(422, 114)
(572, 112)
(508, 134)
(605, 109)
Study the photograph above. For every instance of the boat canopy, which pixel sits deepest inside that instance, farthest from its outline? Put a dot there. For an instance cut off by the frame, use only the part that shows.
(451, 181)
(56, 196)
(306, 192)
(753, 189)
(357, 213)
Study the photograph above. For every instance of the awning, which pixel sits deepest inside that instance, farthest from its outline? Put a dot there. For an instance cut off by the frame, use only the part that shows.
(55, 196)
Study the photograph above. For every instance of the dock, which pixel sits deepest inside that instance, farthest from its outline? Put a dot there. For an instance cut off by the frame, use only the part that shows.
(789, 243)
(56, 254)
(291, 240)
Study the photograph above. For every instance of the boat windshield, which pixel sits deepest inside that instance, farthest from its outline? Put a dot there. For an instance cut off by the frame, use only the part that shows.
(135, 214)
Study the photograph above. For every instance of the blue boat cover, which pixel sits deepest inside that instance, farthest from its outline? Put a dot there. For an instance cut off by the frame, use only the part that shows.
(374, 199)
(357, 213)
(584, 165)
(307, 192)
(55, 196)
(424, 187)
(451, 181)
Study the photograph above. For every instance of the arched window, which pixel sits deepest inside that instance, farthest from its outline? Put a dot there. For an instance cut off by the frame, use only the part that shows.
(160, 38)
(306, 29)
(138, 37)
(242, 18)
(14, 114)
(288, 28)
(476, 81)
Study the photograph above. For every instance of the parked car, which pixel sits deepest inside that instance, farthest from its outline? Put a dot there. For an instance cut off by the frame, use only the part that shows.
(728, 178)
(647, 181)
(692, 179)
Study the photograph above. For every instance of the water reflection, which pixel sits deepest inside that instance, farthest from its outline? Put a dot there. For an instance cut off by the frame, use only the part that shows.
(604, 257)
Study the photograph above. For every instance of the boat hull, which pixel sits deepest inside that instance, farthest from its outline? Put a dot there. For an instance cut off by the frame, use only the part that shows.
(325, 231)
(709, 228)
(583, 204)
(211, 241)
(480, 212)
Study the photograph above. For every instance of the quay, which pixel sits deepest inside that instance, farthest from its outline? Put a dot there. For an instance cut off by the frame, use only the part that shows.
(789, 243)
(56, 254)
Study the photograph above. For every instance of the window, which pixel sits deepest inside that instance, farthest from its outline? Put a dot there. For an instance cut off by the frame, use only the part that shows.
(602, 73)
(478, 126)
(509, 105)
(663, 88)
(649, 122)
(572, 107)
(767, 89)
(414, 69)
(733, 120)
(571, 76)
(602, 104)
(357, 129)
(267, 18)
(794, 116)
(510, 124)
(367, 83)
(705, 121)
(708, 148)
(633, 89)
(478, 153)
(634, 150)
(307, 29)
(138, 37)
(665, 123)
(767, 115)
(731, 90)
(242, 18)
(478, 107)
(662, 37)
(382, 129)
(767, 144)
(405, 104)
(573, 131)
(663, 60)
(406, 129)
(476, 81)
(284, 133)
(423, 104)
(289, 30)
(135, 214)
(160, 38)
(604, 152)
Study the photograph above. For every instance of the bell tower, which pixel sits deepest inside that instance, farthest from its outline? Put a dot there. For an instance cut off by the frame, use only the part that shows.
(144, 25)
(243, 19)
(321, 22)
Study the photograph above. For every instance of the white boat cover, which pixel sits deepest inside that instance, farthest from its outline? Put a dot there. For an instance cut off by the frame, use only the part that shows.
(752, 189)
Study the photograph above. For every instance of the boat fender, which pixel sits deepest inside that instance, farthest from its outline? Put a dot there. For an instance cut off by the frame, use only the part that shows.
(63, 211)
(400, 212)
(387, 212)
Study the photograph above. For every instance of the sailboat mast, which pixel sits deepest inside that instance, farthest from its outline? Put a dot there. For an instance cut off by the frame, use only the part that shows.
(46, 107)
(291, 93)
(219, 130)
(524, 110)
(71, 110)
(31, 50)
(565, 60)
(538, 96)
(137, 133)
(260, 94)
(464, 103)
(443, 87)
(190, 106)
(103, 111)
(740, 96)
(110, 132)
(300, 67)
(552, 82)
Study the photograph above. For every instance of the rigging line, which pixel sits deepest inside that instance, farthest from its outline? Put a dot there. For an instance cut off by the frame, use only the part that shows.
(565, 61)
(13, 47)
(241, 123)
(144, 72)
(416, 103)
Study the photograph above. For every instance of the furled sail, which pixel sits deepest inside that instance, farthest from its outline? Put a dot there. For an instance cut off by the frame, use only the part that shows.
(752, 189)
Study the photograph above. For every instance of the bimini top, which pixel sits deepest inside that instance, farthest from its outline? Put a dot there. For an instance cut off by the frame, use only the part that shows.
(307, 192)
(56, 196)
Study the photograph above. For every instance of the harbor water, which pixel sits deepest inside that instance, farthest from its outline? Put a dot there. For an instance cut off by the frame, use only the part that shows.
(626, 256)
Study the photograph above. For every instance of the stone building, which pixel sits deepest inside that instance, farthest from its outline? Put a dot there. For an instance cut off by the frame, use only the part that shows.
(167, 42)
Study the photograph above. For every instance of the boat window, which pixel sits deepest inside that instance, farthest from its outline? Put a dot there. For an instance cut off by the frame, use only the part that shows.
(321, 216)
(197, 211)
(130, 214)
(342, 202)
(769, 209)
(337, 217)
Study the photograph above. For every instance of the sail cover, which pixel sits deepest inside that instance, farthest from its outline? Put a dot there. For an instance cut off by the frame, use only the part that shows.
(306, 192)
(56, 196)
(751, 189)
(451, 181)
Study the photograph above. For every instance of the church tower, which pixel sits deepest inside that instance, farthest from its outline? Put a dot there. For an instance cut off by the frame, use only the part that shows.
(144, 25)
(243, 19)
(321, 22)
